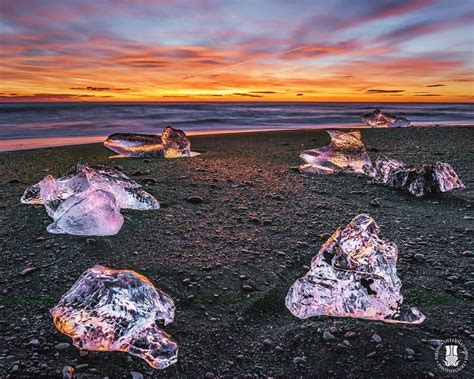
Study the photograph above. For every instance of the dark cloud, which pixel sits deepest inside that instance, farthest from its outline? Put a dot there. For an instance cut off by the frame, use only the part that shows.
(299, 94)
(429, 94)
(246, 94)
(436, 85)
(177, 96)
(46, 97)
(100, 88)
(264, 92)
(385, 91)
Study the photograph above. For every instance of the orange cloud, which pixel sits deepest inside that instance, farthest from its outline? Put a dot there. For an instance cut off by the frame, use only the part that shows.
(262, 57)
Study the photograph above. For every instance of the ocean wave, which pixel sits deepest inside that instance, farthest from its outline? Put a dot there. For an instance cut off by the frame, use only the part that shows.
(37, 120)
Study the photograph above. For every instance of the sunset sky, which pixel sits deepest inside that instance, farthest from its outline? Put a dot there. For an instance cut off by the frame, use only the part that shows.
(244, 50)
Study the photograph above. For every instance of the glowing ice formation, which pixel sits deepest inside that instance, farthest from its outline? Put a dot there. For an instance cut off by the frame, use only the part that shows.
(418, 181)
(345, 153)
(88, 199)
(354, 274)
(173, 143)
(377, 119)
(91, 213)
(116, 310)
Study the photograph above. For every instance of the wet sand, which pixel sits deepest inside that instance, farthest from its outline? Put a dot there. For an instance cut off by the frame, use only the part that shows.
(229, 261)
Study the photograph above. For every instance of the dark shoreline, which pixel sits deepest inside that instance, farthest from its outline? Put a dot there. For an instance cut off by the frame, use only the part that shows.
(260, 224)
(206, 132)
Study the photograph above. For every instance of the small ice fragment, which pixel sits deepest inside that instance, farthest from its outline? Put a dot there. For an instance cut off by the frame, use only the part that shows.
(116, 310)
(135, 145)
(446, 178)
(32, 195)
(173, 143)
(93, 213)
(377, 119)
(383, 167)
(418, 181)
(354, 274)
(345, 153)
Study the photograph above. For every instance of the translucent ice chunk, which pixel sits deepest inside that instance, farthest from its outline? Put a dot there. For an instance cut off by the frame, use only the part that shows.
(128, 193)
(116, 310)
(135, 145)
(419, 181)
(92, 213)
(87, 200)
(354, 274)
(52, 192)
(345, 153)
(377, 119)
(173, 143)
(32, 195)
(446, 178)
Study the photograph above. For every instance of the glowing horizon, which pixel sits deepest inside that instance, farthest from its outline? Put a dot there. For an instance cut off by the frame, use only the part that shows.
(173, 51)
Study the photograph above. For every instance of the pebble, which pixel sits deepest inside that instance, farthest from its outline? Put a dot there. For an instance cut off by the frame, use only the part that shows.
(34, 342)
(419, 257)
(136, 375)
(372, 354)
(62, 346)
(435, 343)
(149, 180)
(328, 336)
(375, 203)
(28, 270)
(376, 338)
(299, 360)
(469, 284)
(195, 200)
(409, 352)
(247, 287)
(209, 375)
(267, 343)
(467, 253)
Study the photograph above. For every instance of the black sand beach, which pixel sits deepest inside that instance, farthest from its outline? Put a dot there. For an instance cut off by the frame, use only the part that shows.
(229, 262)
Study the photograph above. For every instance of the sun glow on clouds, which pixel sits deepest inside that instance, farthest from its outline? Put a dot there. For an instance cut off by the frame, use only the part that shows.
(236, 50)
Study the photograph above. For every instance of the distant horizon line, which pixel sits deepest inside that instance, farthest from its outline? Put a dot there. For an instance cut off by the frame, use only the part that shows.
(234, 102)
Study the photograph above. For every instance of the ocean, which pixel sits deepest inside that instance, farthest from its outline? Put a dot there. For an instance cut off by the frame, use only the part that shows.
(29, 125)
